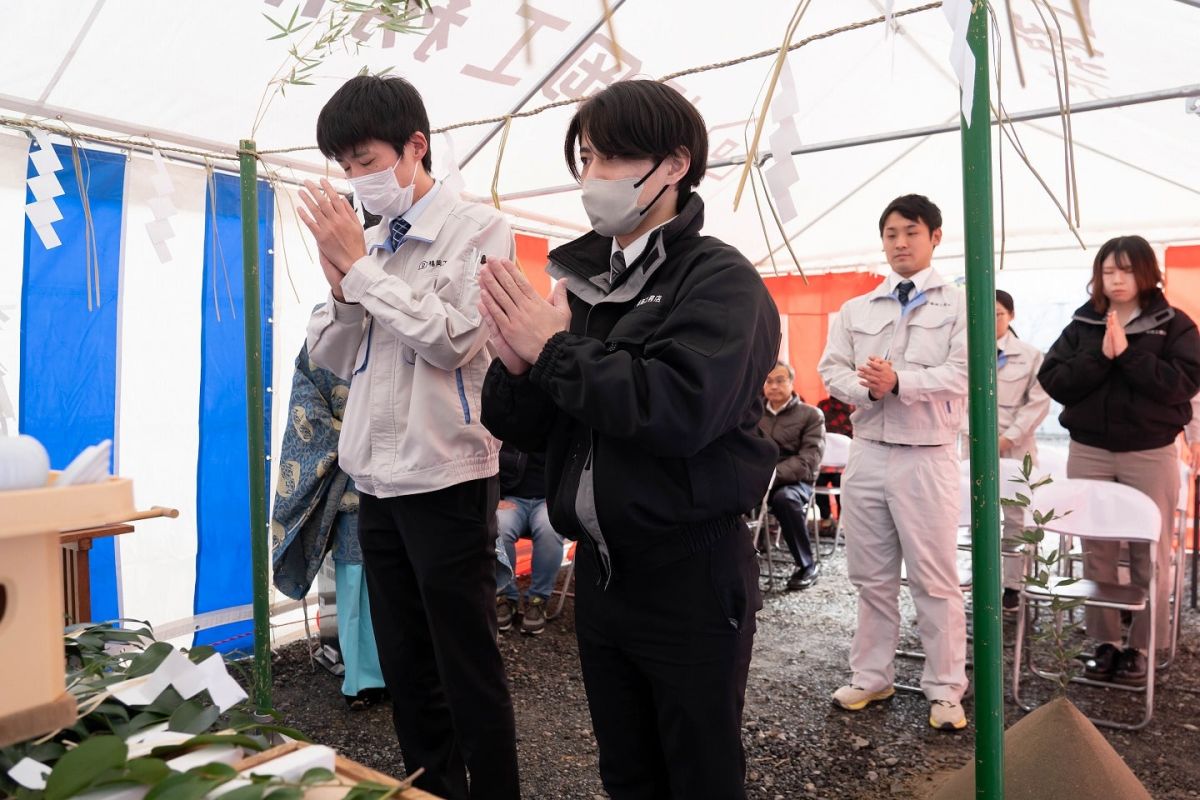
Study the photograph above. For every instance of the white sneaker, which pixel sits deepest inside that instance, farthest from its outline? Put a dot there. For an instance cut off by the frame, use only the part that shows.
(856, 698)
(946, 716)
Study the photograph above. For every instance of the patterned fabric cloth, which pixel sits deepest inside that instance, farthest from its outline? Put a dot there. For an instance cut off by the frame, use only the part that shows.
(316, 506)
(837, 416)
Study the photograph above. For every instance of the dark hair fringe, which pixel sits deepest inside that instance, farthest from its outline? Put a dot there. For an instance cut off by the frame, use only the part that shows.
(640, 119)
(916, 208)
(389, 109)
(1142, 261)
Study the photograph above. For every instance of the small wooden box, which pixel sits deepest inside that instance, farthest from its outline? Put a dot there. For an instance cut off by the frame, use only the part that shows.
(33, 699)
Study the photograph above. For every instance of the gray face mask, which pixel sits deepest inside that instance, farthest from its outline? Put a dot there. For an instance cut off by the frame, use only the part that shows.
(612, 206)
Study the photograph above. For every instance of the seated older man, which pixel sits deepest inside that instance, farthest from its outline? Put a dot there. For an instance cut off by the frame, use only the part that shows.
(799, 430)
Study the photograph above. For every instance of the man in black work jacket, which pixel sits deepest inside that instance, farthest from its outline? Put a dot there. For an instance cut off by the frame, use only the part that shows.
(642, 379)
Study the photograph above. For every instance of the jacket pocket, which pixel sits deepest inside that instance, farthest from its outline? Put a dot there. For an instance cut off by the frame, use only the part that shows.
(632, 330)
(1010, 389)
(928, 339)
(872, 336)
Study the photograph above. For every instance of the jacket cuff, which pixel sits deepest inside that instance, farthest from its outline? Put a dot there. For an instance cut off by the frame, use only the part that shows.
(543, 368)
(365, 273)
(345, 312)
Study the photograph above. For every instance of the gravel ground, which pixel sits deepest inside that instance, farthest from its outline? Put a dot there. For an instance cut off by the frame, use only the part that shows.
(797, 744)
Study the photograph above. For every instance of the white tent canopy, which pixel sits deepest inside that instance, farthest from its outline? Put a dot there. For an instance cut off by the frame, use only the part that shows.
(198, 76)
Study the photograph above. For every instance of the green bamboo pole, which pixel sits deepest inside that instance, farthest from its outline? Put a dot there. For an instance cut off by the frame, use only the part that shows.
(255, 443)
(985, 444)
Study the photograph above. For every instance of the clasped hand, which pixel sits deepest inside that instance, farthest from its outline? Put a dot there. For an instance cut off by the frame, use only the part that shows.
(878, 376)
(1114, 337)
(519, 320)
(337, 229)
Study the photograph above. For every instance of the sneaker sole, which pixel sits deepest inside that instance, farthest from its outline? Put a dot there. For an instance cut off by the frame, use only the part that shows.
(875, 698)
(948, 726)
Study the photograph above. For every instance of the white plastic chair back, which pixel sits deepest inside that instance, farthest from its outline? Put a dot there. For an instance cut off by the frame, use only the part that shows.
(837, 450)
(1099, 510)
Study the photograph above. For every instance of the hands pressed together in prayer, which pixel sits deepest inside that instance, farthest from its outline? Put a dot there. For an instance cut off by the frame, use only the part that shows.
(878, 376)
(1114, 337)
(337, 229)
(520, 321)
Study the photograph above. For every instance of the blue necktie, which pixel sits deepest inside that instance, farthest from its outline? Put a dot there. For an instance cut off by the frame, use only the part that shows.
(399, 228)
(903, 289)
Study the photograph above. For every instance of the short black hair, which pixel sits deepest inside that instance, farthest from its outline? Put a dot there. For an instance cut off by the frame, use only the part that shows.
(916, 208)
(640, 119)
(1005, 299)
(389, 109)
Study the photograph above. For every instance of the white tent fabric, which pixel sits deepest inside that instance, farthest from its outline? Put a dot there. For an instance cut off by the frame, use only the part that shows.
(190, 75)
(195, 77)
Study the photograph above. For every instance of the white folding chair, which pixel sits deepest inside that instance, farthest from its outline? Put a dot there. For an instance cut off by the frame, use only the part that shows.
(1098, 510)
(835, 456)
(1178, 549)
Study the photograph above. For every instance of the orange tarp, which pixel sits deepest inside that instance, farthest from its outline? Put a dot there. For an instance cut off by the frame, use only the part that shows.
(804, 315)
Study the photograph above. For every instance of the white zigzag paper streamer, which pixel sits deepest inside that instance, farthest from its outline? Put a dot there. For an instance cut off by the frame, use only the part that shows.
(962, 60)
(159, 229)
(782, 175)
(43, 212)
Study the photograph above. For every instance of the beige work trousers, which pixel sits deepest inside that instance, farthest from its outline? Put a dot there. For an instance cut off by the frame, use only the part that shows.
(1156, 473)
(901, 504)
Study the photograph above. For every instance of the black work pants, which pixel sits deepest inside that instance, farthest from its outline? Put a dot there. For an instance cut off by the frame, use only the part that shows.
(665, 654)
(789, 504)
(430, 562)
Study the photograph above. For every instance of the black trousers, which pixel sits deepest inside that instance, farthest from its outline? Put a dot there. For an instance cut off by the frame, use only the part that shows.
(430, 562)
(788, 504)
(665, 654)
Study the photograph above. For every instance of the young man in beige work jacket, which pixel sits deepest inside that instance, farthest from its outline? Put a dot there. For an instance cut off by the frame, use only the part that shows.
(899, 354)
(402, 325)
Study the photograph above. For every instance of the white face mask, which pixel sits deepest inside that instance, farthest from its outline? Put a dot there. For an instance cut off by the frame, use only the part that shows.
(612, 206)
(381, 194)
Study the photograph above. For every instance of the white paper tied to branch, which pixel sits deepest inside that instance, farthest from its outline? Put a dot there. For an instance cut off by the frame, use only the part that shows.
(782, 175)
(962, 60)
(30, 774)
(43, 212)
(188, 679)
(162, 207)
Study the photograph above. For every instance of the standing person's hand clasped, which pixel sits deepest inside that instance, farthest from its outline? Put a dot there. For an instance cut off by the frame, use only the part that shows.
(520, 321)
(1114, 337)
(337, 229)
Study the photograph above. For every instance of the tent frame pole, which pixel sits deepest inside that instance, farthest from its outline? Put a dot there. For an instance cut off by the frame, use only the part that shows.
(255, 443)
(985, 444)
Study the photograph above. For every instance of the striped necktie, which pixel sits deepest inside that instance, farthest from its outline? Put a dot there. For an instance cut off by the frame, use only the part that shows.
(616, 266)
(903, 289)
(399, 228)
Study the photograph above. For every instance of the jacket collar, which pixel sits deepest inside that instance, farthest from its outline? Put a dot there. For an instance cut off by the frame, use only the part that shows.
(428, 224)
(584, 262)
(884, 289)
(1157, 312)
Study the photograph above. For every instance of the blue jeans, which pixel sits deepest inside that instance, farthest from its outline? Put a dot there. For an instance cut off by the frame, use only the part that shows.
(530, 515)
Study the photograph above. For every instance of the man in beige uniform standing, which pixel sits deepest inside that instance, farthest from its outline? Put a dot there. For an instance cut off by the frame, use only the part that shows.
(899, 354)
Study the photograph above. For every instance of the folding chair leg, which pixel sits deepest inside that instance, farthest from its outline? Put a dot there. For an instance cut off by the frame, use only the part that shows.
(563, 592)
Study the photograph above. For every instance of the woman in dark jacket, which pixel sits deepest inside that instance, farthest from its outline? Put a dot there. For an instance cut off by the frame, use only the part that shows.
(1125, 370)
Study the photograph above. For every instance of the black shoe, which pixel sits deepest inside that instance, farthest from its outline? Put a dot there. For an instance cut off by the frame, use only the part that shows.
(1131, 668)
(1011, 600)
(534, 621)
(1103, 665)
(366, 698)
(505, 611)
(804, 577)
